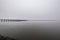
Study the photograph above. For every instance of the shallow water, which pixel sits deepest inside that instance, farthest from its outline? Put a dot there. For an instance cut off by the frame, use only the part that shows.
(31, 30)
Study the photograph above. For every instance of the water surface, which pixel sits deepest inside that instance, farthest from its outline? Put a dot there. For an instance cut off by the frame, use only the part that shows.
(31, 30)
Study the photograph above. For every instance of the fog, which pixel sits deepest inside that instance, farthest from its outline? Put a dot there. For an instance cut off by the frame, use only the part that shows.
(30, 9)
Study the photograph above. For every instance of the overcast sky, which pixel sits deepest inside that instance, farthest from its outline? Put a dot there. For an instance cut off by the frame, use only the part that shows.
(30, 9)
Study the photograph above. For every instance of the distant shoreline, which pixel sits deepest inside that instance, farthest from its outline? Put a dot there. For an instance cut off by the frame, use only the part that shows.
(6, 20)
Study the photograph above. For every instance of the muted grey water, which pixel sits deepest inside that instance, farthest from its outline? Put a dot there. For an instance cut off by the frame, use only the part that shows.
(31, 30)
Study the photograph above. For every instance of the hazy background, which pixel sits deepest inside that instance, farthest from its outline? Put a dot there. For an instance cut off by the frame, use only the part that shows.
(30, 9)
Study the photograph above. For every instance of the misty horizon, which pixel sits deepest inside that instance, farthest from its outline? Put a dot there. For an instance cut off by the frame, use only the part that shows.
(30, 19)
(30, 9)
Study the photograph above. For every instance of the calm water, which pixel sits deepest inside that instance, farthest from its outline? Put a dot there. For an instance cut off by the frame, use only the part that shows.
(31, 30)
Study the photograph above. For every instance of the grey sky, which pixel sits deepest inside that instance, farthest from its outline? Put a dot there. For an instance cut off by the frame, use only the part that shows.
(30, 9)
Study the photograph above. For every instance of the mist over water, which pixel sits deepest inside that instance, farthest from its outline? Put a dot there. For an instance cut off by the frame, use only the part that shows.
(31, 30)
(30, 10)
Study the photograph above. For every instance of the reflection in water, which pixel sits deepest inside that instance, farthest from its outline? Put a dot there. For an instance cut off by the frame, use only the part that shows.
(31, 30)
